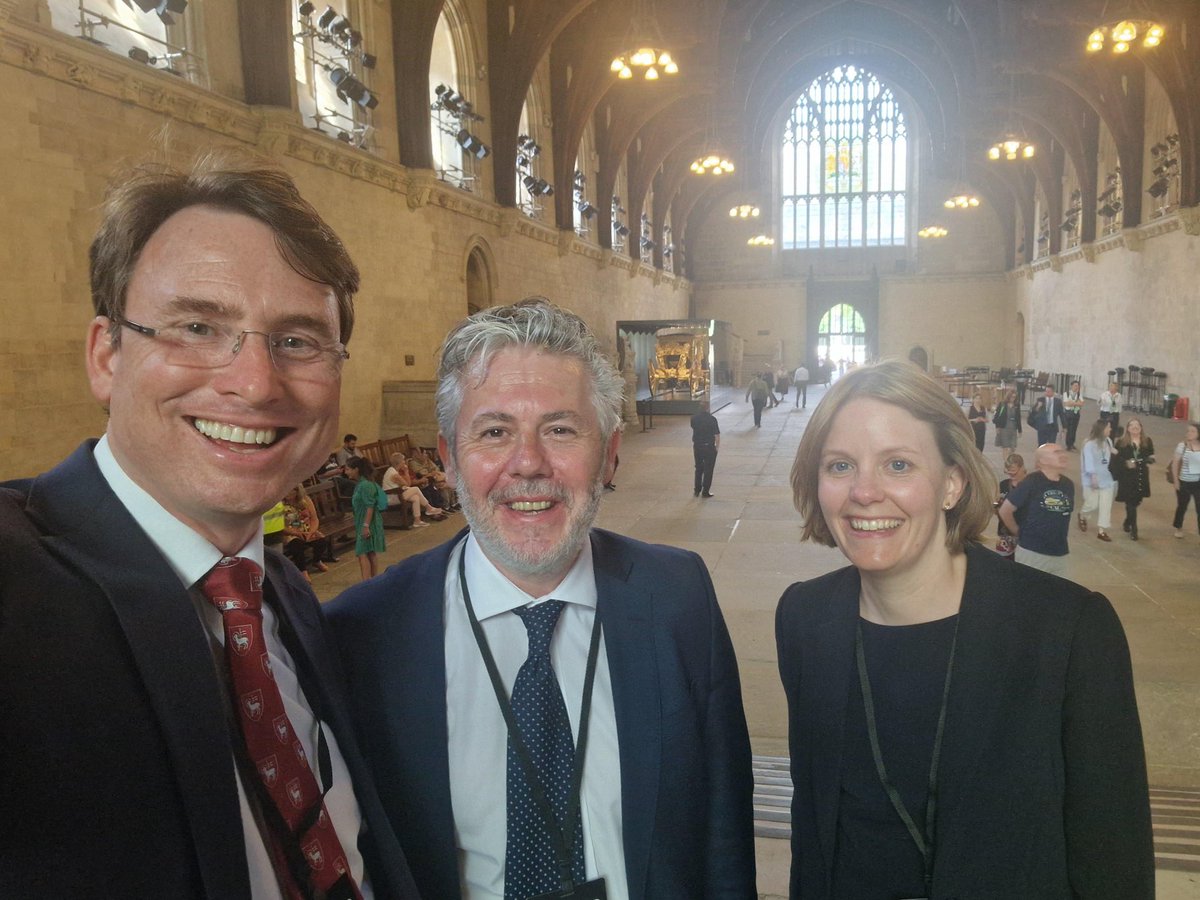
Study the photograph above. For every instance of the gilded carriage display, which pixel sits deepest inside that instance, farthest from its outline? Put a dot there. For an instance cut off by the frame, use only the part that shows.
(681, 361)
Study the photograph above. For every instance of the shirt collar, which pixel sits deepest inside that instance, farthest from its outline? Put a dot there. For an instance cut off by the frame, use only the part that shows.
(492, 593)
(188, 554)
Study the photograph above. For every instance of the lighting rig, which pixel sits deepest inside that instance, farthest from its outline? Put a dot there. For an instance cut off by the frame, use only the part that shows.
(620, 230)
(1110, 201)
(453, 115)
(668, 247)
(333, 45)
(646, 243)
(534, 187)
(1070, 222)
(1165, 156)
(166, 10)
(582, 205)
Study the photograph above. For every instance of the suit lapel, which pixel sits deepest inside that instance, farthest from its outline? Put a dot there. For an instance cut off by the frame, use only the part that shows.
(828, 661)
(979, 679)
(89, 529)
(625, 605)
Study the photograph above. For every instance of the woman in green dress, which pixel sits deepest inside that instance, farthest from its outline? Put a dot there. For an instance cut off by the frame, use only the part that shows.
(368, 500)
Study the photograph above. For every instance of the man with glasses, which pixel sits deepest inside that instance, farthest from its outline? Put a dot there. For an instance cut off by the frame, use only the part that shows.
(173, 724)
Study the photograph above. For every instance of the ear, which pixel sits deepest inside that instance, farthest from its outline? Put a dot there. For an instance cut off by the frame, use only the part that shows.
(447, 460)
(101, 358)
(956, 485)
(610, 458)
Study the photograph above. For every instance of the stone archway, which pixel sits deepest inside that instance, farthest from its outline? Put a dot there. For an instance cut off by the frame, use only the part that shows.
(919, 356)
(479, 281)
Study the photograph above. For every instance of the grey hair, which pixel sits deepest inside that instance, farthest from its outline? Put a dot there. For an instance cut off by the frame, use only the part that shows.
(533, 322)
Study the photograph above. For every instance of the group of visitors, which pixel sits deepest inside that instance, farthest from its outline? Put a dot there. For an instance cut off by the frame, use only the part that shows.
(537, 707)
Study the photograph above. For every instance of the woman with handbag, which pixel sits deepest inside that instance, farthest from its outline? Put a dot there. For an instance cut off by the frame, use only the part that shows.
(1130, 466)
(1007, 421)
(1185, 468)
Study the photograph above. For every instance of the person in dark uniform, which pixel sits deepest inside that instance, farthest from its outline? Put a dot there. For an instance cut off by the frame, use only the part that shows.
(706, 439)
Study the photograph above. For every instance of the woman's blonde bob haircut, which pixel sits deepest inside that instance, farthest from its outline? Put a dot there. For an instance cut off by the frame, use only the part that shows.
(901, 384)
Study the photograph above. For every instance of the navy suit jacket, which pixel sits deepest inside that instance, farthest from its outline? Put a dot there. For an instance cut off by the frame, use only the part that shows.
(116, 763)
(686, 780)
(1042, 781)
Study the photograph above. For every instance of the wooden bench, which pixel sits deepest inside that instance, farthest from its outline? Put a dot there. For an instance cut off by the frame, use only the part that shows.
(337, 523)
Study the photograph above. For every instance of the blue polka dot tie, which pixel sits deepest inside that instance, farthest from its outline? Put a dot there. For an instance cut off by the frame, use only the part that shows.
(530, 866)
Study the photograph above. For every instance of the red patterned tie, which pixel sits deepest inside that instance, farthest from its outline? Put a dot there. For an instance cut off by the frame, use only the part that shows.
(234, 586)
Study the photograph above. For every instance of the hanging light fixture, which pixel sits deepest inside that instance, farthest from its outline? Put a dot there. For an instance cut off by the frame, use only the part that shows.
(933, 231)
(1135, 26)
(744, 211)
(761, 240)
(712, 164)
(650, 59)
(1011, 148)
(961, 200)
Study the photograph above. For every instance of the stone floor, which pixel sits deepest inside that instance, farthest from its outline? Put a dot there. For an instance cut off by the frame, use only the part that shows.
(748, 534)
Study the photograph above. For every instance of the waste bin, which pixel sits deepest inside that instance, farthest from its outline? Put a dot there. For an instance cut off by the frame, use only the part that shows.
(1181, 409)
(1169, 405)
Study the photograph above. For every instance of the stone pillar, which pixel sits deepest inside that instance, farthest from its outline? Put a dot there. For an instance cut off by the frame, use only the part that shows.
(408, 409)
(629, 374)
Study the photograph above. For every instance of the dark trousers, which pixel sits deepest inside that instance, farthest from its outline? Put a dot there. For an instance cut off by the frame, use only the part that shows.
(801, 394)
(706, 461)
(1072, 424)
(297, 549)
(1185, 491)
(1047, 434)
(1115, 418)
(1131, 508)
(980, 434)
(758, 408)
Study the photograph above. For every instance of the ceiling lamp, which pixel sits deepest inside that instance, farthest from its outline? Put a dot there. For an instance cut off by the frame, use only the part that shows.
(744, 211)
(712, 164)
(961, 200)
(761, 240)
(932, 231)
(649, 62)
(1122, 34)
(1011, 148)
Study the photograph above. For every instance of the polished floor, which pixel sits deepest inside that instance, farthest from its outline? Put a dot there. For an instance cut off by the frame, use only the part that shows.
(748, 533)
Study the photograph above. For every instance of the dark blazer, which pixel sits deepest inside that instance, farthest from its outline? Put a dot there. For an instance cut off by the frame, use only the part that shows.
(686, 781)
(1042, 783)
(116, 767)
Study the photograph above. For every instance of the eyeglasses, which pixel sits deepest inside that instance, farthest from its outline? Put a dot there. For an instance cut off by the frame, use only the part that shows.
(206, 346)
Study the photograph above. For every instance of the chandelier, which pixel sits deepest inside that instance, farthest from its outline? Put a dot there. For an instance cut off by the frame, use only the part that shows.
(962, 200)
(1010, 148)
(712, 164)
(761, 240)
(933, 231)
(649, 61)
(1122, 33)
(744, 211)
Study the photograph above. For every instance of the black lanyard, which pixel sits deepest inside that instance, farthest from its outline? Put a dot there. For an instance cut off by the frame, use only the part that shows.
(926, 841)
(561, 833)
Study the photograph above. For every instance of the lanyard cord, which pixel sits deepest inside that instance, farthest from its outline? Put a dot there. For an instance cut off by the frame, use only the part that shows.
(560, 833)
(925, 842)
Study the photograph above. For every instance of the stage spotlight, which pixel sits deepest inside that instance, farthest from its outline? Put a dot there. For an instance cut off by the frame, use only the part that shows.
(472, 144)
(307, 9)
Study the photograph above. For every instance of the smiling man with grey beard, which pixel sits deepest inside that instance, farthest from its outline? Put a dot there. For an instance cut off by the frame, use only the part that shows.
(552, 709)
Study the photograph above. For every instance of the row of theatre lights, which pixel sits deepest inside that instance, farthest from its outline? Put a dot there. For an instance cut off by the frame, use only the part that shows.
(344, 45)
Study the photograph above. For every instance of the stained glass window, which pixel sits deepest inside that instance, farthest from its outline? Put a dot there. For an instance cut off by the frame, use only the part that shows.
(844, 165)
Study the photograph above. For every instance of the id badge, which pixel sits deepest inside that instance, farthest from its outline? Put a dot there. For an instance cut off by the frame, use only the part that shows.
(591, 890)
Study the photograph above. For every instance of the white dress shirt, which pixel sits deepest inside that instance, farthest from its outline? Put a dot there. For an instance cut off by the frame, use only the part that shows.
(191, 557)
(479, 739)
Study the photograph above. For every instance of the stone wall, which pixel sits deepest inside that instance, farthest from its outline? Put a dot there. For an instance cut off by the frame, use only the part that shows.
(74, 114)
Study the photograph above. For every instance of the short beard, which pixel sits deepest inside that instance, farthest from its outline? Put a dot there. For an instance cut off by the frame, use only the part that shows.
(525, 564)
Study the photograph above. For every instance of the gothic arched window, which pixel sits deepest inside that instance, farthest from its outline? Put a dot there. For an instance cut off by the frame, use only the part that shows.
(844, 164)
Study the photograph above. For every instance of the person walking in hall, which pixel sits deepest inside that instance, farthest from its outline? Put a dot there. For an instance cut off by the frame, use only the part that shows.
(1072, 402)
(768, 376)
(1110, 406)
(1014, 468)
(166, 678)
(1007, 420)
(1097, 480)
(1185, 469)
(977, 415)
(958, 726)
(757, 393)
(1131, 468)
(800, 379)
(1038, 512)
(1046, 416)
(706, 441)
(472, 666)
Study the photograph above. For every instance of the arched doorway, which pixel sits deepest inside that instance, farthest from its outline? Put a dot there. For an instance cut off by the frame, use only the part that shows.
(479, 282)
(842, 336)
(920, 357)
